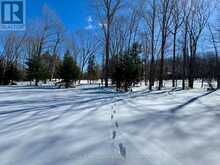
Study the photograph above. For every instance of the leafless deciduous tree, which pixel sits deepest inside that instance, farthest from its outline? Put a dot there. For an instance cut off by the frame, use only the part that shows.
(150, 18)
(46, 35)
(177, 20)
(186, 13)
(106, 11)
(198, 18)
(215, 46)
(165, 13)
(12, 47)
(88, 44)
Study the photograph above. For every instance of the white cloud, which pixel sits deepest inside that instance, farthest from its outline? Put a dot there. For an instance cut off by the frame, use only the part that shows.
(90, 20)
(89, 27)
(90, 23)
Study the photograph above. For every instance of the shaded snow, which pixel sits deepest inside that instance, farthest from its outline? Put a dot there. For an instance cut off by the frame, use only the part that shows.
(92, 126)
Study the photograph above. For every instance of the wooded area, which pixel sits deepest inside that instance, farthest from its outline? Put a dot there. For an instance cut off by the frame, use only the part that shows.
(133, 41)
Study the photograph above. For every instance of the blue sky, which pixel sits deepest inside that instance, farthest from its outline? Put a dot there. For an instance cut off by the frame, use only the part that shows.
(73, 13)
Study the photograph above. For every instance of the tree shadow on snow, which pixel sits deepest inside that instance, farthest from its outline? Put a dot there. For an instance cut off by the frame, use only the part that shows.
(178, 108)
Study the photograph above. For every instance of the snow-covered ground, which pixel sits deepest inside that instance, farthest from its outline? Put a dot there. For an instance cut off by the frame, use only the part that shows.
(93, 126)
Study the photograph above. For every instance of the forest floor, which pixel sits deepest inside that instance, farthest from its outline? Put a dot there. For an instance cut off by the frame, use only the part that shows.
(88, 125)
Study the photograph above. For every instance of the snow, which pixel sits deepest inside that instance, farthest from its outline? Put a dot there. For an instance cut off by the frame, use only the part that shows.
(88, 125)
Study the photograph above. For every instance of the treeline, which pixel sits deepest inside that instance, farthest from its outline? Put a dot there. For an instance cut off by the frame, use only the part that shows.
(40, 68)
(170, 33)
(126, 69)
(127, 42)
(46, 52)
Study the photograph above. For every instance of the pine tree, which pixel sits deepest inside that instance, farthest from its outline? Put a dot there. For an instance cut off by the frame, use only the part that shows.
(133, 66)
(12, 74)
(92, 69)
(36, 70)
(69, 71)
(117, 70)
(126, 68)
(1, 72)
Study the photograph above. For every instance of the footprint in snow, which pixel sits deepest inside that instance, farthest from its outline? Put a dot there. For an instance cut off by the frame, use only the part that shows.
(112, 117)
(122, 150)
(114, 111)
(114, 135)
(116, 124)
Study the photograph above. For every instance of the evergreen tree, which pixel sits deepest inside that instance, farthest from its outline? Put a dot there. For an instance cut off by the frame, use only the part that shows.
(12, 74)
(126, 68)
(92, 69)
(133, 66)
(117, 70)
(36, 70)
(1, 72)
(69, 71)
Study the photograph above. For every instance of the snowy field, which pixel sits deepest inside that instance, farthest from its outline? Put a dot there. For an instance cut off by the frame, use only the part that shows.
(93, 126)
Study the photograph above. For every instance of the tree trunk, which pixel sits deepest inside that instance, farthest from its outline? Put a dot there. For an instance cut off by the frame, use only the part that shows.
(161, 73)
(185, 54)
(174, 60)
(107, 47)
(36, 82)
(145, 68)
(67, 84)
(218, 74)
(152, 69)
(217, 70)
(151, 79)
(192, 65)
(218, 83)
(184, 73)
(190, 74)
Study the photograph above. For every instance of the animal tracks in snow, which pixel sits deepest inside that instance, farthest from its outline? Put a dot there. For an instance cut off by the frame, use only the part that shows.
(121, 149)
(114, 133)
(112, 117)
(116, 124)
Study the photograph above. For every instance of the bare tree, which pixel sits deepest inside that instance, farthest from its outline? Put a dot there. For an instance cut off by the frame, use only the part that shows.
(150, 18)
(106, 11)
(217, 64)
(70, 44)
(165, 20)
(55, 36)
(198, 19)
(12, 46)
(177, 21)
(186, 13)
(119, 35)
(125, 29)
(87, 44)
(45, 35)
